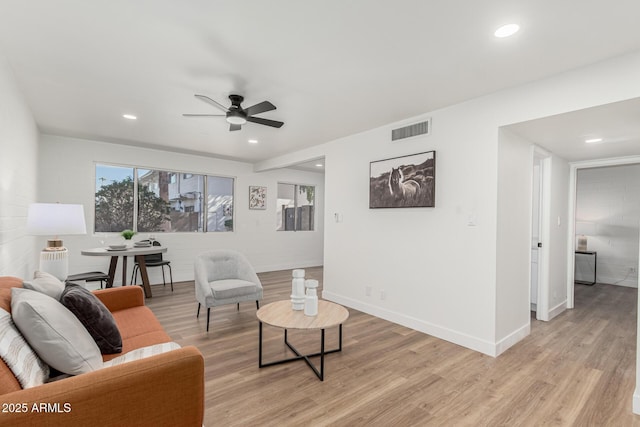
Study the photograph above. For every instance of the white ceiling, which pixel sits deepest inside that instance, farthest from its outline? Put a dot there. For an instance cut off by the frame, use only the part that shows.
(617, 124)
(333, 68)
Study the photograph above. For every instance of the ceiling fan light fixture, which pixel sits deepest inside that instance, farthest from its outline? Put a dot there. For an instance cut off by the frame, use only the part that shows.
(236, 117)
(236, 120)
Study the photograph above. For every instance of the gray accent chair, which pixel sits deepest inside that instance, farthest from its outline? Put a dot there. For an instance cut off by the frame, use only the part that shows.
(225, 277)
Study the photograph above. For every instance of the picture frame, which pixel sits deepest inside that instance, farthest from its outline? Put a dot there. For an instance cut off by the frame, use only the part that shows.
(257, 197)
(403, 182)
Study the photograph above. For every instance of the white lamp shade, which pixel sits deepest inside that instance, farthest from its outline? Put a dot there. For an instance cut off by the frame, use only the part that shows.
(46, 219)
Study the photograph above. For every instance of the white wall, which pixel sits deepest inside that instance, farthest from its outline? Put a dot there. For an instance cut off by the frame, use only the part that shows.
(18, 177)
(440, 275)
(515, 189)
(68, 176)
(609, 197)
(558, 229)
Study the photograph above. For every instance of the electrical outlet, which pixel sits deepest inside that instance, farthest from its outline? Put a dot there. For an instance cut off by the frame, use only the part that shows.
(367, 291)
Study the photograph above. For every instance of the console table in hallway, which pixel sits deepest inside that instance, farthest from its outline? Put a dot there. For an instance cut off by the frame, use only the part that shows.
(594, 254)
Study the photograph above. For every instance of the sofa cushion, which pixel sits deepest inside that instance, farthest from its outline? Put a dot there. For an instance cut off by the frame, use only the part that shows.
(19, 356)
(54, 332)
(5, 299)
(138, 327)
(141, 353)
(46, 284)
(95, 317)
(8, 282)
(232, 288)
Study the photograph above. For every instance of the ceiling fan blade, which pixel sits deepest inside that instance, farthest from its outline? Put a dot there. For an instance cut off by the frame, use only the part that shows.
(212, 102)
(266, 122)
(259, 108)
(233, 127)
(203, 115)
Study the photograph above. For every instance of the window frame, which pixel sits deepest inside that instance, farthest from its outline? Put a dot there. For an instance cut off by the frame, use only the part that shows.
(203, 208)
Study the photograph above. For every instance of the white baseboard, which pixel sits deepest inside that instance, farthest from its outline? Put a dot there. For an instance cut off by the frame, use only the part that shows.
(446, 334)
(507, 342)
(557, 309)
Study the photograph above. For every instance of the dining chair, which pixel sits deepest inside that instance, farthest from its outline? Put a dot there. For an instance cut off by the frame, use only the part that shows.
(153, 260)
(92, 276)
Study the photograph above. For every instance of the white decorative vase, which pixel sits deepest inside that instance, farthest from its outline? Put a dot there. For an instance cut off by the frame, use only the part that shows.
(311, 298)
(297, 290)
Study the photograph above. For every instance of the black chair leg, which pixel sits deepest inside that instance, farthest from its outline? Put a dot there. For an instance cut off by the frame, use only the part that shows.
(257, 305)
(238, 306)
(134, 275)
(208, 312)
(164, 281)
(198, 313)
(170, 276)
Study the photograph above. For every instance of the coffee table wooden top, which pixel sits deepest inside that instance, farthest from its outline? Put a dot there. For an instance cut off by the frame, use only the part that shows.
(281, 315)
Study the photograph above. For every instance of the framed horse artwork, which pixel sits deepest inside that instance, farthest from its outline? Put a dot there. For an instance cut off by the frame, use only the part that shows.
(403, 182)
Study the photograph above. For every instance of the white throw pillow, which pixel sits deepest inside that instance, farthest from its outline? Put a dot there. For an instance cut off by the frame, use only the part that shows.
(45, 283)
(19, 357)
(54, 332)
(141, 353)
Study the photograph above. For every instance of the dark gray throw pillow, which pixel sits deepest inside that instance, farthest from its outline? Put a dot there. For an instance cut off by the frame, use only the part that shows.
(95, 317)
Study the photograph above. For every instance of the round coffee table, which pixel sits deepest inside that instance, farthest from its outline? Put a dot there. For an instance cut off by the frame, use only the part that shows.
(281, 315)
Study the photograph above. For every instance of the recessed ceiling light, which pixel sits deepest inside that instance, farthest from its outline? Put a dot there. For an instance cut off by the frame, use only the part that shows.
(253, 141)
(129, 116)
(507, 30)
(593, 140)
(319, 165)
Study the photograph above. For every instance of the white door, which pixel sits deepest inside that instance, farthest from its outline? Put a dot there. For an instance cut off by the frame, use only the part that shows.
(535, 235)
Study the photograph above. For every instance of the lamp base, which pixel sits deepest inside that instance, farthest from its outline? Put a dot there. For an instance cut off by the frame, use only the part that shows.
(54, 245)
(55, 262)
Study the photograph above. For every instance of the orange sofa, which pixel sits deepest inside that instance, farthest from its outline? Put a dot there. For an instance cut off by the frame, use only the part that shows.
(162, 390)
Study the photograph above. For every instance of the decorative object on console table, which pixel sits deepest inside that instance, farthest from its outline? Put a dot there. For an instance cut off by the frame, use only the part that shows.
(403, 182)
(55, 219)
(297, 290)
(311, 298)
(583, 230)
(257, 197)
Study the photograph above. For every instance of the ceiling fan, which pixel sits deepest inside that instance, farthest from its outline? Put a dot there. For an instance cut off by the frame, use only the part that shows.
(236, 115)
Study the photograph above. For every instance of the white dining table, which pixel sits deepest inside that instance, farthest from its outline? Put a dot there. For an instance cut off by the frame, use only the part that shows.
(138, 253)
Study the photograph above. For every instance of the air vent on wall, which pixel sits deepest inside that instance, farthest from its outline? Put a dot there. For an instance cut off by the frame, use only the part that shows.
(422, 128)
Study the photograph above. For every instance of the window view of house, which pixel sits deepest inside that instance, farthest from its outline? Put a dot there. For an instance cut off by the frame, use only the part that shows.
(165, 201)
(219, 203)
(169, 201)
(295, 207)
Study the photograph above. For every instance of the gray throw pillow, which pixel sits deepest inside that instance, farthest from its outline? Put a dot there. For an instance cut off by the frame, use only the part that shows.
(54, 333)
(95, 317)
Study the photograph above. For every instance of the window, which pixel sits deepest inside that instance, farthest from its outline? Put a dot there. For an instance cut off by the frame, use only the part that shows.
(165, 201)
(114, 198)
(295, 207)
(219, 203)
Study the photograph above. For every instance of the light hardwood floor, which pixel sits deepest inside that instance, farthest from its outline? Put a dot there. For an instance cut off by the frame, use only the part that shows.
(578, 370)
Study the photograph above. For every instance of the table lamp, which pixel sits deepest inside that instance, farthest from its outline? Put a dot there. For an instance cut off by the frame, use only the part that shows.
(55, 219)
